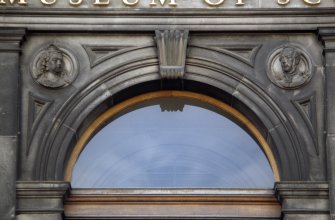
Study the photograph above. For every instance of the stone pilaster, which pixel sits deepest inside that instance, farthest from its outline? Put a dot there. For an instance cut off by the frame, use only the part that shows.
(10, 41)
(327, 35)
(303, 200)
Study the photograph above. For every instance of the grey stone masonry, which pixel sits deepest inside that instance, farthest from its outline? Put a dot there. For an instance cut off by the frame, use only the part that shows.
(327, 35)
(303, 200)
(40, 200)
(10, 40)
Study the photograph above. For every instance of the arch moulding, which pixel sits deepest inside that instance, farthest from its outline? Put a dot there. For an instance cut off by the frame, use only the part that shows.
(227, 81)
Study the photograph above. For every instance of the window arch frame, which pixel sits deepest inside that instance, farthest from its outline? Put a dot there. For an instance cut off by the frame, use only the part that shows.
(168, 203)
(98, 123)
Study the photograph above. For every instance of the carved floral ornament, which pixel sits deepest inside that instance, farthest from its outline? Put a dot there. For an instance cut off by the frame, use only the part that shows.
(289, 67)
(54, 67)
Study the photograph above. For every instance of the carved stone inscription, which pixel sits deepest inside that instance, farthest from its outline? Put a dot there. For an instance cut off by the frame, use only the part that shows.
(289, 67)
(168, 3)
(54, 67)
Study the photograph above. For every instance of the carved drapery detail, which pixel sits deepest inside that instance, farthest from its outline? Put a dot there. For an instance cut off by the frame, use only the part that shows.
(172, 45)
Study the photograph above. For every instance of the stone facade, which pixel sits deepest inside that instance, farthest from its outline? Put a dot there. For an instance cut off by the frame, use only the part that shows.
(62, 66)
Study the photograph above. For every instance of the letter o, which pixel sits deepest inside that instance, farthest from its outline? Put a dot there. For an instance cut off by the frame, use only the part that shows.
(285, 2)
(45, 2)
(214, 4)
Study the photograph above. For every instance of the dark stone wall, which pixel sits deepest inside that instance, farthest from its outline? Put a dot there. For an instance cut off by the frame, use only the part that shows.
(228, 58)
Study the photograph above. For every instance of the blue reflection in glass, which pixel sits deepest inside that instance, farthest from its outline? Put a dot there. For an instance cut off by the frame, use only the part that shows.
(172, 142)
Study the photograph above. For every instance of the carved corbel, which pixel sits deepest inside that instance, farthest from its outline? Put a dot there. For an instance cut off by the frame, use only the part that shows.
(171, 45)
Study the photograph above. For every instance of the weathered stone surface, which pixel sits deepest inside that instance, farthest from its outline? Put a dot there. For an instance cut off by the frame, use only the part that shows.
(227, 57)
(97, 19)
(303, 200)
(327, 35)
(240, 4)
(9, 117)
(40, 200)
(7, 176)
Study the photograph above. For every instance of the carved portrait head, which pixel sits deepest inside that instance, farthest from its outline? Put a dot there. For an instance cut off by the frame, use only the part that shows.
(54, 67)
(52, 61)
(289, 67)
(289, 59)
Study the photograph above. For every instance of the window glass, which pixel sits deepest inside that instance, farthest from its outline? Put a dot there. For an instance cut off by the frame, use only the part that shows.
(172, 142)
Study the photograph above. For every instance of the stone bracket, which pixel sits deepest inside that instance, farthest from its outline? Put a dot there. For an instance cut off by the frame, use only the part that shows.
(172, 46)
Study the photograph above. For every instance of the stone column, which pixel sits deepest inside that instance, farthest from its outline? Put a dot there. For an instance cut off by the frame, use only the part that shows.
(327, 36)
(10, 40)
(303, 200)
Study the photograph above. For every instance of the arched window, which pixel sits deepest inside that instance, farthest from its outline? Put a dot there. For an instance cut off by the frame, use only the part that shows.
(172, 141)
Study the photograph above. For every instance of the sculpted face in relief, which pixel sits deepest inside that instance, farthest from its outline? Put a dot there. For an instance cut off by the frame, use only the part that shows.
(53, 68)
(289, 59)
(289, 67)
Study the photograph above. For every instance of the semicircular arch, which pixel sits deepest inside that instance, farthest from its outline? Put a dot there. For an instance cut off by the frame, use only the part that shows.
(140, 76)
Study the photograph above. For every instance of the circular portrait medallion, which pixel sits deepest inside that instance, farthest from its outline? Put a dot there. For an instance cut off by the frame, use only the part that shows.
(289, 67)
(54, 67)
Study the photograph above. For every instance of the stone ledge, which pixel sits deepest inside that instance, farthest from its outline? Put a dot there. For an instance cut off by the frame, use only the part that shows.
(301, 189)
(41, 197)
(309, 200)
(10, 39)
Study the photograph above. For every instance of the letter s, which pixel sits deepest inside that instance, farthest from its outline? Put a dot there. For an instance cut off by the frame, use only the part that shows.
(312, 3)
(126, 2)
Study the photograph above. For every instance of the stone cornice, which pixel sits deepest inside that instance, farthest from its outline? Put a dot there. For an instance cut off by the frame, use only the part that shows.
(303, 199)
(40, 197)
(10, 39)
(296, 189)
(327, 36)
(54, 19)
(186, 12)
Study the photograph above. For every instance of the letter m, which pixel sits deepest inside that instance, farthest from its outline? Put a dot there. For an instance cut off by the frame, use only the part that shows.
(21, 2)
(172, 2)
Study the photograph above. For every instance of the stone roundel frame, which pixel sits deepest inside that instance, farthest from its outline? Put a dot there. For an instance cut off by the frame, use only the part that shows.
(58, 143)
(70, 63)
(274, 70)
